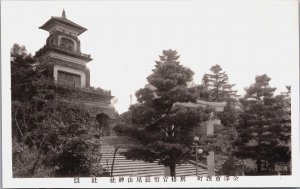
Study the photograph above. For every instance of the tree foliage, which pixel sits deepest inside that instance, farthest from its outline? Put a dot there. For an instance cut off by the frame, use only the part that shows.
(50, 137)
(264, 130)
(166, 127)
(215, 85)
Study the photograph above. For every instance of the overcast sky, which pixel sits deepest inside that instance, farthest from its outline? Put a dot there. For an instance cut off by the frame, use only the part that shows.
(124, 38)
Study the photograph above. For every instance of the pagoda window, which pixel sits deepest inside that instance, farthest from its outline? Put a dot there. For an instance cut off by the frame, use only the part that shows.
(53, 41)
(67, 44)
(69, 79)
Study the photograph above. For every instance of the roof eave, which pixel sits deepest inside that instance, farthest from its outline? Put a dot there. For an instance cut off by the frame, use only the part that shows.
(51, 21)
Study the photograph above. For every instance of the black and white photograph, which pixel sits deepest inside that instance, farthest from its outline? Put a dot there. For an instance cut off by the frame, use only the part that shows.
(150, 93)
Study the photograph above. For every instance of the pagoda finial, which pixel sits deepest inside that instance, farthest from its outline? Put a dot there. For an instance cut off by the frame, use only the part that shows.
(63, 14)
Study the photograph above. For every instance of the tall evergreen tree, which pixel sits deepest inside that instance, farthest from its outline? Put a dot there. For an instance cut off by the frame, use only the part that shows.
(215, 87)
(165, 127)
(217, 84)
(261, 129)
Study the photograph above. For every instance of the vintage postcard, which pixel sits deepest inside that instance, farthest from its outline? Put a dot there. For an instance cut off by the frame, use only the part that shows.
(179, 93)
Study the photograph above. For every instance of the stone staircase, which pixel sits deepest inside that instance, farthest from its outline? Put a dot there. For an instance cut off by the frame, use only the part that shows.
(127, 167)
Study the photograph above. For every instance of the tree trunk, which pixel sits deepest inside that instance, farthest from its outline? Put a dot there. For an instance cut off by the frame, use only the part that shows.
(258, 159)
(258, 164)
(172, 170)
(113, 162)
(272, 166)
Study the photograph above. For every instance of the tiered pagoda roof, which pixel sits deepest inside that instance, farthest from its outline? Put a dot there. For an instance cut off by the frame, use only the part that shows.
(54, 20)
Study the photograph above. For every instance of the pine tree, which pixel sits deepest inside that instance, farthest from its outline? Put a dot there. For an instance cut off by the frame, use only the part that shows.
(217, 84)
(162, 127)
(261, 129)
(215, 87)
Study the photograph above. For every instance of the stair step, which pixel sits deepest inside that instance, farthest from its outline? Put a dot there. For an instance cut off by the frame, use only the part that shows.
(111, 157)
(107, 146)
(141, 174)
(159, 174)
(147, 165)
(109, 151)
(159, 169)
(122, 165)
(156, 169)
(189, 169)
(193, 172)
(153, 168)
(136, 165)
(129, 167)
(138, 168)
(124, 161)
(190, 174)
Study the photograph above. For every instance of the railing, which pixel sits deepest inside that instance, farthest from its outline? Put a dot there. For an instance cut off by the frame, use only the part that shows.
(84, 89)
(51, 46)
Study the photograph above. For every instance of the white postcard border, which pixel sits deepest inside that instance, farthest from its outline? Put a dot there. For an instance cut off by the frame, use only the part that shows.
(104, 182)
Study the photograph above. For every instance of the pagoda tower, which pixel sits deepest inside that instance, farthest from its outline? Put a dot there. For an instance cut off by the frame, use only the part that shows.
(64, 62)
(62, 50)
